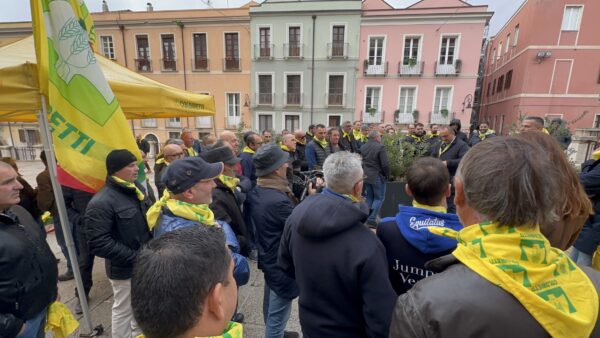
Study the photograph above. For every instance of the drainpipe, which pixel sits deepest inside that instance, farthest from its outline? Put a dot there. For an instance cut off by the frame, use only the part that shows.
(312, 78)
(181, 25)
(122, 29)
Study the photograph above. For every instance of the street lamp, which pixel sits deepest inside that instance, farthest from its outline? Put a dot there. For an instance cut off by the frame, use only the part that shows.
(467, 103)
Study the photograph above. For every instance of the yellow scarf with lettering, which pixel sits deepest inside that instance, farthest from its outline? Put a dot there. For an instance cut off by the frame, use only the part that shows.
(248, 150)
(323, 142)
(416, 204)
(200, 213)
(417, 138)
(138, 192)
(229, 182)
(233, 330)
(358, 135)
(520, 260)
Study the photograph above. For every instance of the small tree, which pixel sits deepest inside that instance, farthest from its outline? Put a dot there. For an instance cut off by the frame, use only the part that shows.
(402, 154)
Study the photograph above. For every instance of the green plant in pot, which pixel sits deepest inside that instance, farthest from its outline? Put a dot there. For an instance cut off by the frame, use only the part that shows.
(412, 62)
(371, 111)
(402, 154)
(444, 112)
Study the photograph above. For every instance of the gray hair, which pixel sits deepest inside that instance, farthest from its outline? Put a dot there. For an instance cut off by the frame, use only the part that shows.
(373, 134)
(342, 170)
(176, 141)
(510, 181)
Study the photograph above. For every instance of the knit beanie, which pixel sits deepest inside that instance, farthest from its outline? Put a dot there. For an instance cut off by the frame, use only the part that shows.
(118, 159)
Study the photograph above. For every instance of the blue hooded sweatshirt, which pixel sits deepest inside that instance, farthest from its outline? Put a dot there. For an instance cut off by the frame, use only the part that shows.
(409, 245)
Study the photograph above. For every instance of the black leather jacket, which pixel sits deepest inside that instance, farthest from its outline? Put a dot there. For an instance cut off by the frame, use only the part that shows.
(28, 270)
(116, 227)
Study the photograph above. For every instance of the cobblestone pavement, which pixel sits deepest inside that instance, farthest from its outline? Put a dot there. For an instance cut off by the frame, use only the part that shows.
(250, 295)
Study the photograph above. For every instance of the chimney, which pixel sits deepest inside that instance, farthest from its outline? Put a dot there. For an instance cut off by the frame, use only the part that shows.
(149, 7)
(104, 6)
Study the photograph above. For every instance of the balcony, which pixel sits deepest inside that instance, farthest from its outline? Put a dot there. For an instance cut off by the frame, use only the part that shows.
(231, 64)
(143, 65)
(293, 50)
(404, 118)
(232, 122)
(335, 99)
(372, 116)
(264, 99)
(412, 68)
(263, 52)
(200, 64)
(375, 70)
(168, 65)
(173, 124)
(448, 69)
(293, 99)
(337, 50)
(438, 118)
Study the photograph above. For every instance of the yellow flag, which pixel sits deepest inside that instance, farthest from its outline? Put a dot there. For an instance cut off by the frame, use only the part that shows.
(85, 118)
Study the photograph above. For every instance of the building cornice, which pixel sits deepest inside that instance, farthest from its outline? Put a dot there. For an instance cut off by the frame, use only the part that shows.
(438, 18)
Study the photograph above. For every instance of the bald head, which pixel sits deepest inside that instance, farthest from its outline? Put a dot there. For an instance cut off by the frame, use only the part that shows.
(172, 152)
(229, 136)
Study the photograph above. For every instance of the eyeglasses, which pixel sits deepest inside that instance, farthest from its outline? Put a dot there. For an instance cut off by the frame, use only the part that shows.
(174, 155)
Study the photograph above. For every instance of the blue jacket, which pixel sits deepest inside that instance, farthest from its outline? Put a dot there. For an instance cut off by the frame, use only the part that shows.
(248, 169)
(269, 209)
(409, 245)
(241, 269)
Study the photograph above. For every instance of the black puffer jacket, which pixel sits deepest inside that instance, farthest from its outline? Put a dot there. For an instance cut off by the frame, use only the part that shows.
(159, 169)
(28, 271)
(115, 222)
(457, 302)
(589, 237)
(226, 207)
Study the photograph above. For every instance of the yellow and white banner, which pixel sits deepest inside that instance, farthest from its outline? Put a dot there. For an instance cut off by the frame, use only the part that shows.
(85, 117)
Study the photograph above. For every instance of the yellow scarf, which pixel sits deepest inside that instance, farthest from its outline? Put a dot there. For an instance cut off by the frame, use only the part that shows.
(285, 148)
(229, 182)
(417, 138)
(484, 135)
(545, 131)
(323, 142)
(429, 207)
(60, 320)
(161, 161)
(248, 150)
(345, 135)
(302, 142)
(358, 135)
(191, 152)
(138, 192)
(194, 212)
(596, 155)
(520, 260)
(351, 197)
(233, 330)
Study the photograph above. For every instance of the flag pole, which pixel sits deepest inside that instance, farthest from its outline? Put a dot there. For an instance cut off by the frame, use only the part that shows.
(64, 220)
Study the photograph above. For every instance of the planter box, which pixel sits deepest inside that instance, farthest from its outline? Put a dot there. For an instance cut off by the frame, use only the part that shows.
(394, 195)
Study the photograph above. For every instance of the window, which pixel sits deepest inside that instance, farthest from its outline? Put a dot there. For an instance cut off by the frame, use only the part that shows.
(597, 121)
(334, 120)
(336, 90)
(516, 36)
(143, 54)
(200, 52)
(294, 41)
(376, 50)
(508, 79)
(493, 56)
(372, 99)
(174, 134)
(168, 52)
(265, 89)
(108, 48)
(292, 122)
(293, 89)
(499, 50)
(411, 50)
(448, 50)
(337, 41)
(501, 124)
(265, 122)
(489, 88)
(203, 122)
(494, 87)
(571, 18)
(233, 105)
(265, 42)
(507, 43)
(232, 52)
(500, 84)
(442, 99)
(149, 123)
(29, 136)
(407, 100)
(174, 122)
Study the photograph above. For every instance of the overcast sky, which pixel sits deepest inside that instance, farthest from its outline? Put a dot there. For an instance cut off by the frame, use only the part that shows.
(11, 10)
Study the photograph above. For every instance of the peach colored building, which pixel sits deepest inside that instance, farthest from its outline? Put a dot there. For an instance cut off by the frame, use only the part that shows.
(419, 63)
(545, 61)
(202, 51)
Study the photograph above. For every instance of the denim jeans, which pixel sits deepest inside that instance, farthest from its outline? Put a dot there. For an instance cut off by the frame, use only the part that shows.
(375, 196)
(580, 258)
(276, 312)
(34, 327)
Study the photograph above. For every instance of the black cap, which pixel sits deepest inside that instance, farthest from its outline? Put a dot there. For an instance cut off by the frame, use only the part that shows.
(268, 158)
(185, 173)
(220, 154)
(118, 159)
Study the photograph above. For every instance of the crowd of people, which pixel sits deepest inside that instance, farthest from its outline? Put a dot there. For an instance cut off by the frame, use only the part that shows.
(482, 250)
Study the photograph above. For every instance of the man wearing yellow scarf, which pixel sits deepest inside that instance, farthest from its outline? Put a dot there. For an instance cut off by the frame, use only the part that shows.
(171, 152)
(504, 279)
(183, 286)
(347, 139)
(190, 182)
(253, 141)
(317, 150)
